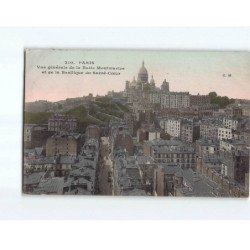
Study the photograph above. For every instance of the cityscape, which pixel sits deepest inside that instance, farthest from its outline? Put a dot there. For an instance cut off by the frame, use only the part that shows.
(145, 140)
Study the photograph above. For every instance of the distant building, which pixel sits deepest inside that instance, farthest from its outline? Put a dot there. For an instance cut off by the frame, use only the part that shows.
(209, 164)
(170, 151)
(60, 122)
(237, 111)
(165, 86)
(234, 110)
(28, 128)
(213, 169)
(91, 144)
(232, 145)
(31, 181)
(199, 100)
(131, 122)
(120, 137)
(124, 141)
(189, 183)
(172, 126)
(155, 97)
(144, 91)
(247, 184)
(175, 100)
(235, 164)
(185, 129)
(246, 111)
(230, 123)
(225, 133)
(149, 116)
(163, 182)
(147, 132)
(128, 178)
(219, 113)
(243, 136)
(206, 110)
(190, 131)
(93, 131)
(209, 128)
(207, 147)
(62, 145)
(36, 135)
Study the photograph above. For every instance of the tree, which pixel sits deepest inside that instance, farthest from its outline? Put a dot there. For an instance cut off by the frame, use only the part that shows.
(165, 136)
(221, 101)
(212, 94)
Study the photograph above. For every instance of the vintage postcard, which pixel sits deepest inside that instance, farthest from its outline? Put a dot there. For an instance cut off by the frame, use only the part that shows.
(136, 122)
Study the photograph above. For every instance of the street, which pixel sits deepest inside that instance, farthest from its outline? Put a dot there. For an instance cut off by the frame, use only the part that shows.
(104, 172)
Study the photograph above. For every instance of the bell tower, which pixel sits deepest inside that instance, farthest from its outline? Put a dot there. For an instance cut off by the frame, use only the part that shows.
(165, 86)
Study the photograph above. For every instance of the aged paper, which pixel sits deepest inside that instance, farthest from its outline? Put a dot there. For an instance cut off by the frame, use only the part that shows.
(136, 122)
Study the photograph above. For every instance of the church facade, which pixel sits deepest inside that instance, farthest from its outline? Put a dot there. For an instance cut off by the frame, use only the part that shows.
(144, 92)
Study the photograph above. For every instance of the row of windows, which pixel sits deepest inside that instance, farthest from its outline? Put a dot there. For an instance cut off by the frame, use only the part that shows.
(189, 164)
(186, 156)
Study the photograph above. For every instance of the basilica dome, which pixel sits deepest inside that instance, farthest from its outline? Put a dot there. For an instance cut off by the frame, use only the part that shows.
(143, 74)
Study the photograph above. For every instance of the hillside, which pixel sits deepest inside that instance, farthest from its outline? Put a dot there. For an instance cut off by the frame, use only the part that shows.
(83, 118)
(98, 112)
(36, 118)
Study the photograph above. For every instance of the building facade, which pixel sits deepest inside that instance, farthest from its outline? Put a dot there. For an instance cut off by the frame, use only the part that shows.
(225, 133)
(171, 126)
(175, 100)
(170, 151)
(230, 123)
(60, 122)
(199, 100)
(145, 90)
(62, 145)
(93, 131)
(190, 131)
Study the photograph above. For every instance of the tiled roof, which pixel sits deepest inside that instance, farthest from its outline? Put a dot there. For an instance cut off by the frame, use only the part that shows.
(33, 178)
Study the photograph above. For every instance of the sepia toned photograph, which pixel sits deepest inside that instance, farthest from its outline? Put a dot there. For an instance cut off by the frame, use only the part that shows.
(136, 123)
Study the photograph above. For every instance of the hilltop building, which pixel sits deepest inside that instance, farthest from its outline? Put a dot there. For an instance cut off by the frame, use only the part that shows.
(144, 91)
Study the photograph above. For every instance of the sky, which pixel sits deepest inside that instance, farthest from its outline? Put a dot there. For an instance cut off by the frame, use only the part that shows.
(193, 71)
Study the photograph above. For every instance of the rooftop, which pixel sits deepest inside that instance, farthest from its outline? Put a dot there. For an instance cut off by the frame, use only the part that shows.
(170, 168)
(134, 192)
(197, 185)
(234, 141)
(161, 142)
(51, 185)
(141, 159)
(173, 149)
(208, 142)
(33, 178)
(62, 159)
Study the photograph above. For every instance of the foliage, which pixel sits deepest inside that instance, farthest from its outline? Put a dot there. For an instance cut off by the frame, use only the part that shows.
(77, 112)
(98, 113)
(36, 118)
(165, 136)
(83, 119)
(108, 106)
(103, 99)
(222, 101)
(124, 108)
